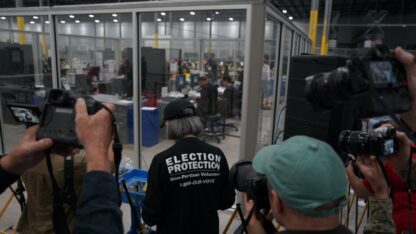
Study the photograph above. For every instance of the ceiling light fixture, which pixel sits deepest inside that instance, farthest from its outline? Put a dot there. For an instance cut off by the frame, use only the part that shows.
(159, 20)
(3, 18)
(115, 20)
(163, 13)
(71, 16)
(47, 22)
(91, 16)
(77, 21)
(284, 11)
(192, 12)
(290, 18)
(35, 17)
(182, 19)
(231, 19)
(114, 15)
(209, 19)
(32, 22)
(63, 21)
(97, 21)
(217, 12)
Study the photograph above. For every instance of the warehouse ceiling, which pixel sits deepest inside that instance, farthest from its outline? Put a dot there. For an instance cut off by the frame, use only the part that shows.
(299, 9)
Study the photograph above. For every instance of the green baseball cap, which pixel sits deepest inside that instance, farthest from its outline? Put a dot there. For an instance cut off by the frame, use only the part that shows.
(306, 173)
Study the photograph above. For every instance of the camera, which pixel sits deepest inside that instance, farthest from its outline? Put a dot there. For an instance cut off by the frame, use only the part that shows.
(245, 179)
(374, 83)
(57, 121)
(380, 143)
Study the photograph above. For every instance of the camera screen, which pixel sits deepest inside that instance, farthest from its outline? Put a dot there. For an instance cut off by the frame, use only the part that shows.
(389, 147)
(382, 72)
(25, 115)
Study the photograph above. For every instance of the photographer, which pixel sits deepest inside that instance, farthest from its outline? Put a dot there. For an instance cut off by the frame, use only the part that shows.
(188, 182)
(396, 167)
(308, 186)
(98, 210)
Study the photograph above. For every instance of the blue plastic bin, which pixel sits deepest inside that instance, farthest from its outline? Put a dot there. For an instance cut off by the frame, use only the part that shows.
(150, 126)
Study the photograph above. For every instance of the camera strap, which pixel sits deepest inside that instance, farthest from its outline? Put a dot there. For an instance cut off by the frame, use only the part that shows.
(59, 220)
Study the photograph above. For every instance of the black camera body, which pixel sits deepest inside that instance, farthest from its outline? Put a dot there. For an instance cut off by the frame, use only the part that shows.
(382, 142)
(58, 117)
(245, 179)
(373, 83)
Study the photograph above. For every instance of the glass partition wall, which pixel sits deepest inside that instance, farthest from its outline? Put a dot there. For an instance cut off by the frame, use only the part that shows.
(177, 49)
(143, 57)
(25, 71)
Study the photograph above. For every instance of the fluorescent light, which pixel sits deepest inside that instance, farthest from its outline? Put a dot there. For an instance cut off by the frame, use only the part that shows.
(77, 21)
(47, 22)
(35, 17)
(284, 11)
(192, 12)
(182, 19)
(3, 18)
(290, 17)
(97, 21)
(217, 12)
(231, 19)
(163, 13)
(209, 19)
(32, 22)
(63, 21)
(114, 15)
(71, 16)
(159, 20)
(91, 16)
(115, 20)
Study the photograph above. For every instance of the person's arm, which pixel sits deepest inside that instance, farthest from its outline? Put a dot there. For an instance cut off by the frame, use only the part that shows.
(154, 199)
(27, 154)
(409, 63)
(98, 210)
(381, 219)
(227, 195)
(356, 183)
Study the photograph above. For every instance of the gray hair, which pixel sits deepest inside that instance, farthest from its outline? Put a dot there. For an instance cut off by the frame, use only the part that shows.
(179, 128)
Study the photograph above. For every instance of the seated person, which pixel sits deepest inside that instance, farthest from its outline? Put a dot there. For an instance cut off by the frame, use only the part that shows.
(208, 102)
(37, 214)
(230, 96)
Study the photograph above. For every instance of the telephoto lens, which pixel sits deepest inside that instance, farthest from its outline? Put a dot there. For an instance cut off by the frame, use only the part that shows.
(379, 143)
(245, 179)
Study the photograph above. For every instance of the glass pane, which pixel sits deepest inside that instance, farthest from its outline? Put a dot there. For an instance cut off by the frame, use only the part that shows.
(25, 68)
(268, 81)
(95, 54)
(178, 48)
(279, 119)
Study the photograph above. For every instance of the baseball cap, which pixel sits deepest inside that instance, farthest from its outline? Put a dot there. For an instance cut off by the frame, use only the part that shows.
(178, 109)
(306, 173)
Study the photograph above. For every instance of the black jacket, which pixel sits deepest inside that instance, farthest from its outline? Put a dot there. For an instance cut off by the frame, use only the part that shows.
(187, 184)
(339, 230)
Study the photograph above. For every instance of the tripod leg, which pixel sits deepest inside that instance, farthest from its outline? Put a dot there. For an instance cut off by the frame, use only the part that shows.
(230, 221)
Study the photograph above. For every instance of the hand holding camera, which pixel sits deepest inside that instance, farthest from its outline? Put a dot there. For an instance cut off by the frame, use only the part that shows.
(27, 153)
(95, 133)
(372, 171)
(409, 63)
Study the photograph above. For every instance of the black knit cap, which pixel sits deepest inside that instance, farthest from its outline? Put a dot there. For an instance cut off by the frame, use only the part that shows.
(178, 109)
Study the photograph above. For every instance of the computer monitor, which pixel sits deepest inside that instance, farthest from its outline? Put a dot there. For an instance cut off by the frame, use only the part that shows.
(180, 82)
(119, 86)
(194, 80)
(82, 82)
